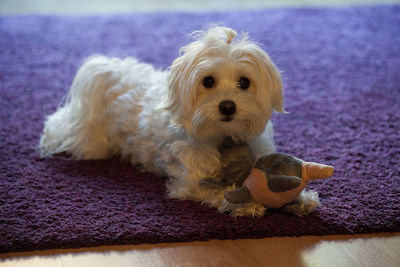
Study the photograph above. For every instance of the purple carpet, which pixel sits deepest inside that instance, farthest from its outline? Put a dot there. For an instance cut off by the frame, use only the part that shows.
(341, 69)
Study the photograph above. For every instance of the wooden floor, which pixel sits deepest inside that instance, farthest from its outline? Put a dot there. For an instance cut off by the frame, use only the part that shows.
(357, 250)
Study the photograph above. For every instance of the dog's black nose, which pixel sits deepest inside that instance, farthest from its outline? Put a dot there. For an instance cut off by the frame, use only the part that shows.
(227, 107)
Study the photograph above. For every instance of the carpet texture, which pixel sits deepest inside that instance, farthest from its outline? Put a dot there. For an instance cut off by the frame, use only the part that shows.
(341, 69)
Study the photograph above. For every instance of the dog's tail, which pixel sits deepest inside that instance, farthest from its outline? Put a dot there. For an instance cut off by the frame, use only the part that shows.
(78, 127)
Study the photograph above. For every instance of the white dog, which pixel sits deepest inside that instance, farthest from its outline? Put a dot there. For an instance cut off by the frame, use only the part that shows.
(172, 122)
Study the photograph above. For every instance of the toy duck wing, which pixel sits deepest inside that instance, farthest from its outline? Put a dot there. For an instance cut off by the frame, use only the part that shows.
(282, 183)
(279, 163)
(240, 195)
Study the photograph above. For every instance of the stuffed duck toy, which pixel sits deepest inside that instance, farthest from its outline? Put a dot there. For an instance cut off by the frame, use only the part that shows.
(273, 180)
(277, 179)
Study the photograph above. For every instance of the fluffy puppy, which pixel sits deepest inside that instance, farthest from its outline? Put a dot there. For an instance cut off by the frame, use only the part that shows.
(173, 122)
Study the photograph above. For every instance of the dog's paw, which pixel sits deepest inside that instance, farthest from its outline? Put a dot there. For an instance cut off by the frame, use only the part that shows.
(249, 209)
(306, 202)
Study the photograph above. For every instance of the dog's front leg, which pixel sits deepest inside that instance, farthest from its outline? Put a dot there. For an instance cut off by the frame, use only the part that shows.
(192, 162)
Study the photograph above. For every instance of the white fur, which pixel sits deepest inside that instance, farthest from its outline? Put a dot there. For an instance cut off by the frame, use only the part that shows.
(167, 121)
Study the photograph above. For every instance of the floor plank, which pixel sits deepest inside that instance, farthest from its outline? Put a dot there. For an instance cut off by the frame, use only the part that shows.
(336, 250)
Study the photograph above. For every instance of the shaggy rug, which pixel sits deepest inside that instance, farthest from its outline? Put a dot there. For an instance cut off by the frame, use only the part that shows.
(341, 69)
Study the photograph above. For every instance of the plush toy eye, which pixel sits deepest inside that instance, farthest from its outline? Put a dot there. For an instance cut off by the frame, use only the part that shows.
(208, 82)
(244, 83)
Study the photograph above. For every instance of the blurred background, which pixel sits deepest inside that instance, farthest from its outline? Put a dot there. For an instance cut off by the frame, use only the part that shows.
(128, 6)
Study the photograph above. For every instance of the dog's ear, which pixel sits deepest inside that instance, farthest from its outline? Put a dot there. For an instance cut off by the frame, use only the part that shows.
(174, 80)
(181, 82)
(268, 72)
(273, 80)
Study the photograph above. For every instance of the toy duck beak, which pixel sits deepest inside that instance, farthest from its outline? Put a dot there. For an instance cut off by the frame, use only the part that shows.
(312, 170)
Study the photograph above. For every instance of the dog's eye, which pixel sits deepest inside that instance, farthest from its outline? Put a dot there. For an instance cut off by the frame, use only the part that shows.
(244, 83)
(208, 82)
